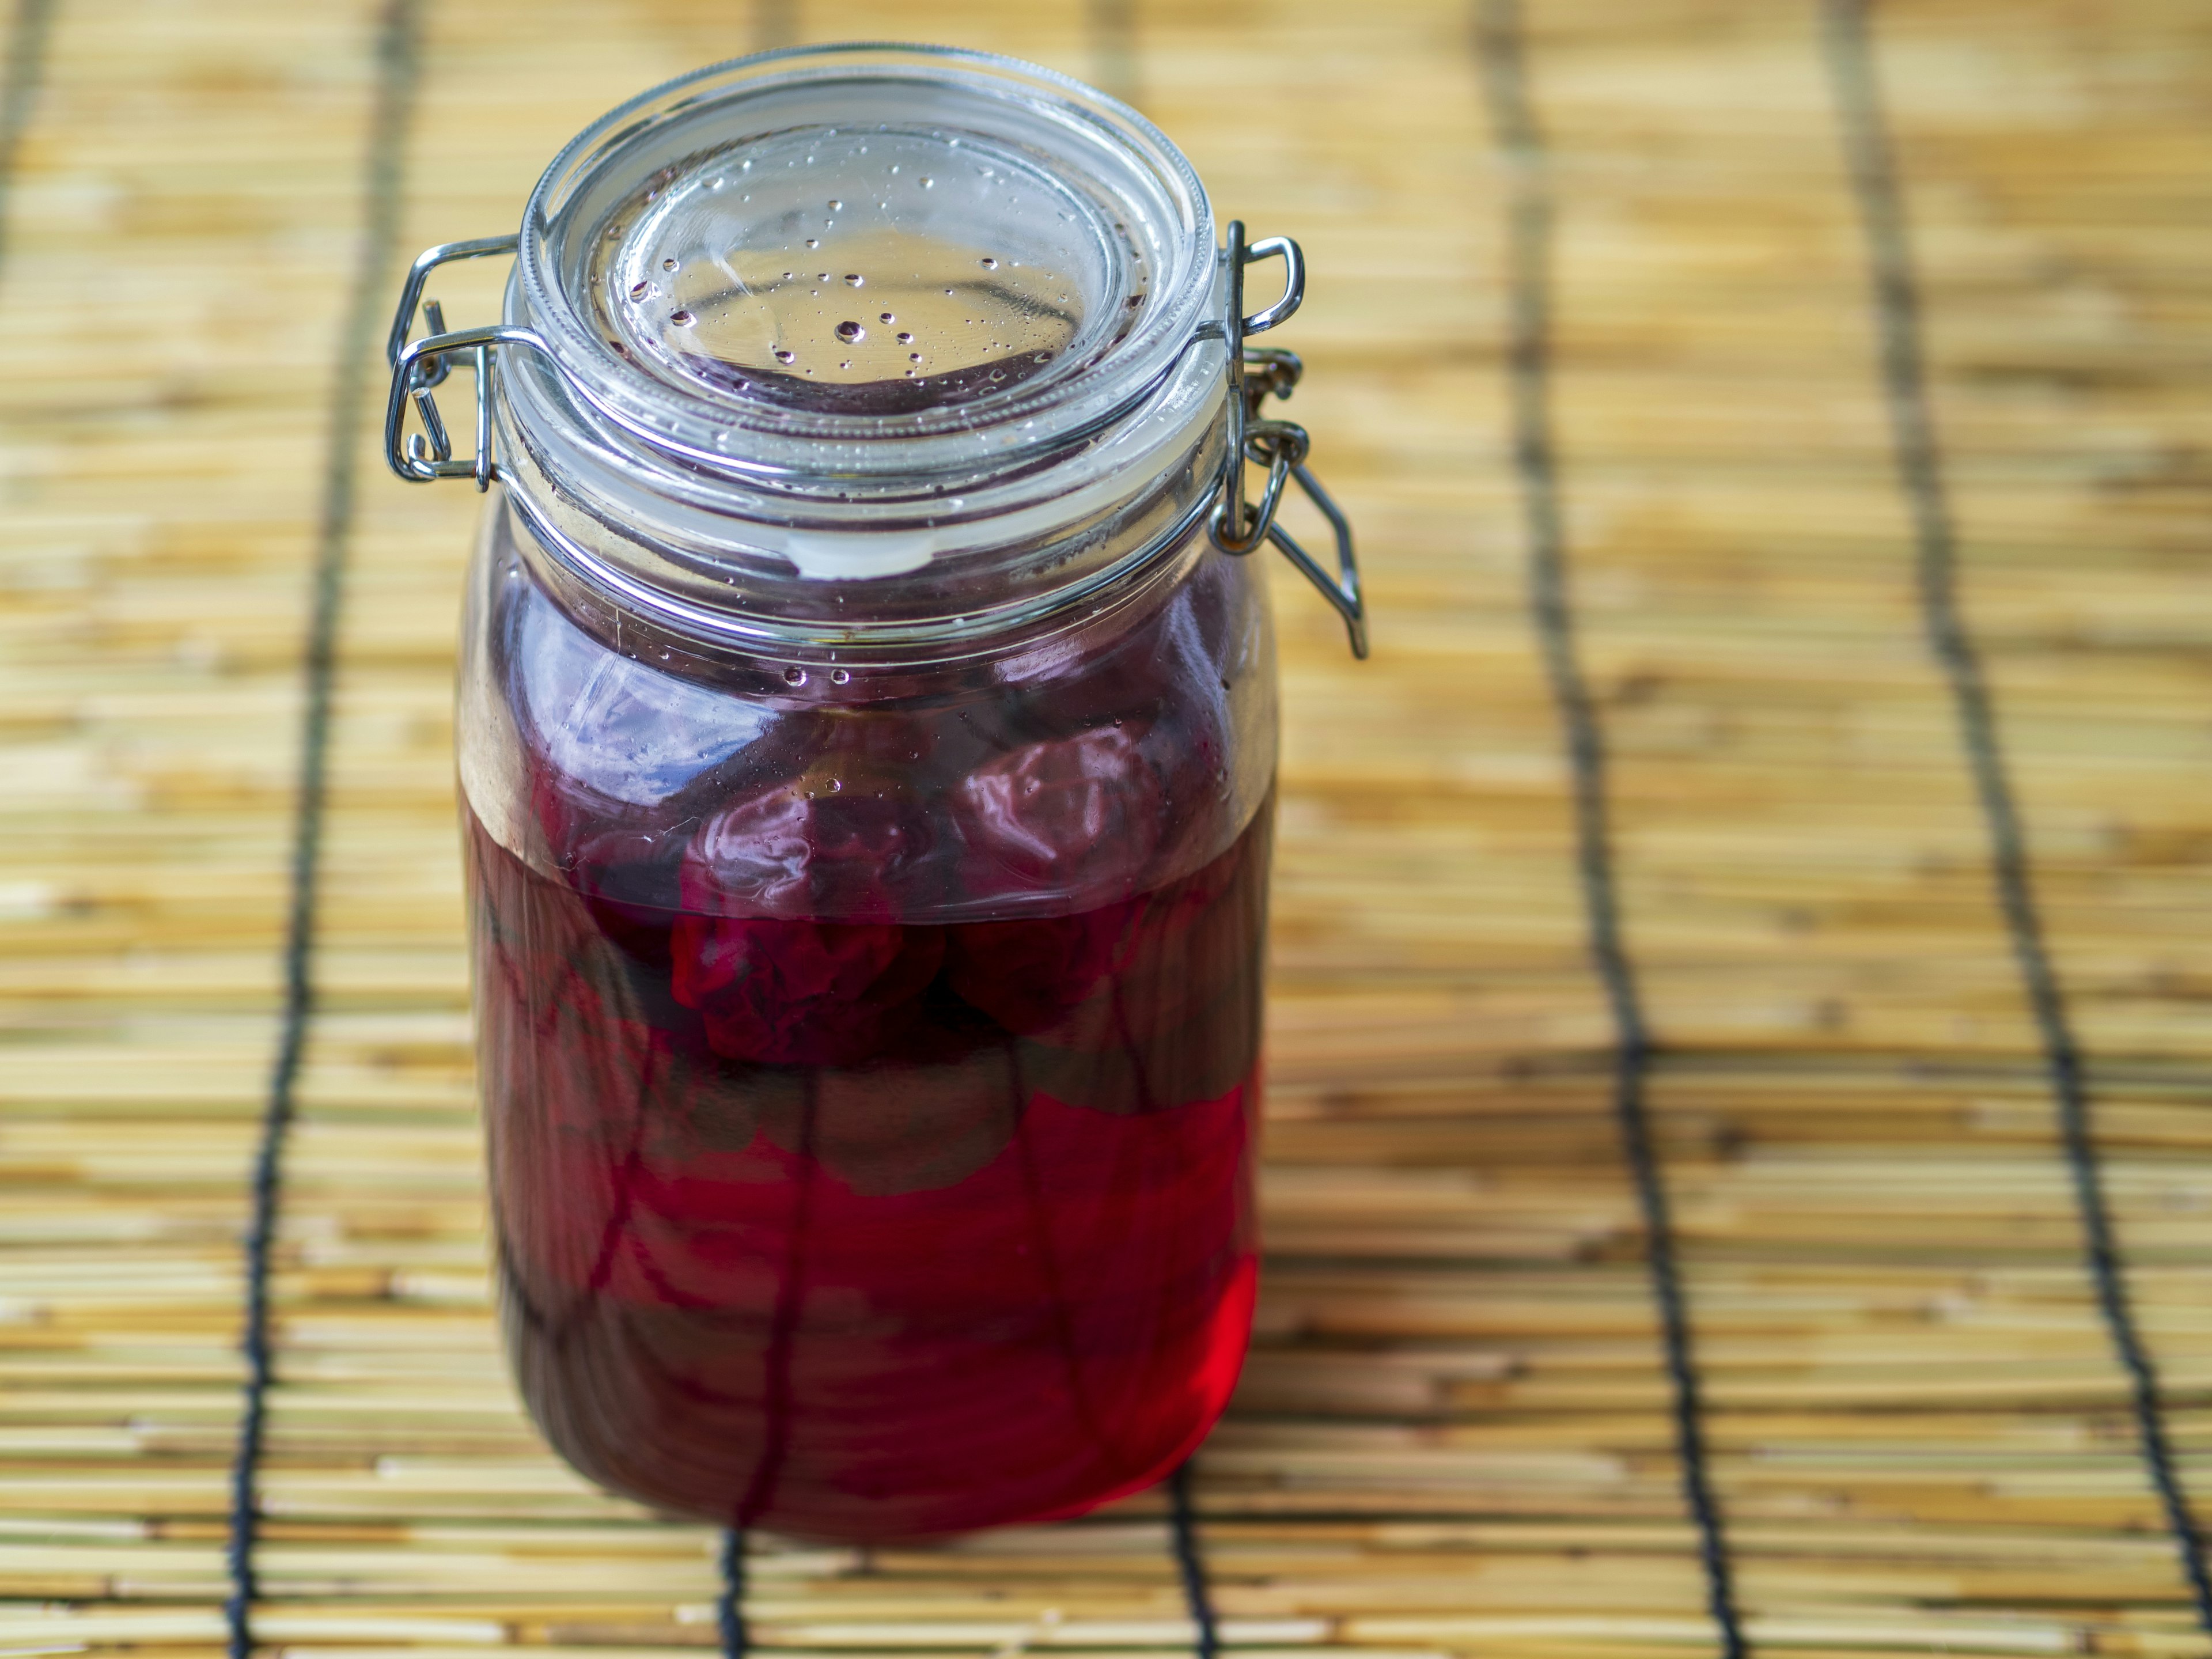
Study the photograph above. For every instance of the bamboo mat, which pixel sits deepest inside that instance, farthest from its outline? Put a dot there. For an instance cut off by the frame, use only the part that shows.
(1781, 444)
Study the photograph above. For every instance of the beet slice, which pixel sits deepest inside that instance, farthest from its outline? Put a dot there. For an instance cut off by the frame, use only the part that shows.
(809, 970)
(1064, 815)
(802, 993)
(1027, 974)
(813, 848)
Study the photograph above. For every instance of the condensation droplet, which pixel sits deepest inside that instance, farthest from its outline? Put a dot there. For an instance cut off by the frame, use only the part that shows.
(786, 356)
(1136, 300)
(639, 290)
(834, 204)
(840, 676)
(904, 339)
(989, 264)
(928, 183)
(851, 333)
(814, 241)
(668, 265)
(914, 356)
(854, 279)
(681, 318)
(889, 318)
(794, 677)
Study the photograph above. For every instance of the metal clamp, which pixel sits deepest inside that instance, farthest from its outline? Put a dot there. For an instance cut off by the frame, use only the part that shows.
(1256, 373)
(419, 367)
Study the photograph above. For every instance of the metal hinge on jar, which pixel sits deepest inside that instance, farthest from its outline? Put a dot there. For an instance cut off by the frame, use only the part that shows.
(419, 367)
(1256, 373)
(1236, 526)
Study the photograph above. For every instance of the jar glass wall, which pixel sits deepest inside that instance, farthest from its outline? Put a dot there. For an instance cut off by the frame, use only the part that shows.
(870, 1068)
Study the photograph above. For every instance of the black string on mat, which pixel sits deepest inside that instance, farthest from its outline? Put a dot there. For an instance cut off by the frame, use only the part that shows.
(1520, 141)
(28, 28)
(1920, 474)
(398, 32)
(1190, 1564)
(730, 1604)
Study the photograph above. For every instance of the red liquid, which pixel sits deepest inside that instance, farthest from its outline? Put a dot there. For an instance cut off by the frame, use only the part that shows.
(862, 1229)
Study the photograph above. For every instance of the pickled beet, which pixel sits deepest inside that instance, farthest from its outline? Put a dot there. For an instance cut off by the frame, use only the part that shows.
(1060, 814)
(805, 992)
(1029, 975)
(813, 1218)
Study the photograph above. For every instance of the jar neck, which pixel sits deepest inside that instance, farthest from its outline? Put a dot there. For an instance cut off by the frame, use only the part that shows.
(1003, 558)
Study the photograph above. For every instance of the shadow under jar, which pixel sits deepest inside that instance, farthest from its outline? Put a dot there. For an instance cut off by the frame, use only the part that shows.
(866, 743)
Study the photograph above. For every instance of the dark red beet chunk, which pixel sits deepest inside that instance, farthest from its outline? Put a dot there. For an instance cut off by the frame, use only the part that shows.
(769, 985)
(801, 993)
(1028, 975)
(813, 848)
(1059, 816)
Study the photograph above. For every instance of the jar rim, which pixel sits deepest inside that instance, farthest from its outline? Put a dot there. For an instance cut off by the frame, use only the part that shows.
(767, 444)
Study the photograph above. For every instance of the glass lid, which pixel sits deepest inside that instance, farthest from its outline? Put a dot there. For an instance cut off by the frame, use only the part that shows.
(865, 243)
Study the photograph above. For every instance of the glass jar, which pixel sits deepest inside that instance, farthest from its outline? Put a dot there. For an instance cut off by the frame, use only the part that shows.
(866, 745)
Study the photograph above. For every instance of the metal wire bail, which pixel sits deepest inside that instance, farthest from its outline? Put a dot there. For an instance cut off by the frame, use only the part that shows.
(1256, 373)
(419, 367)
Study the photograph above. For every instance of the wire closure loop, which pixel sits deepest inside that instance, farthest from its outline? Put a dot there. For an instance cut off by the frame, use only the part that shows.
(419, 367)
(1239, 526)
(1256, 373)
(1236, 526)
